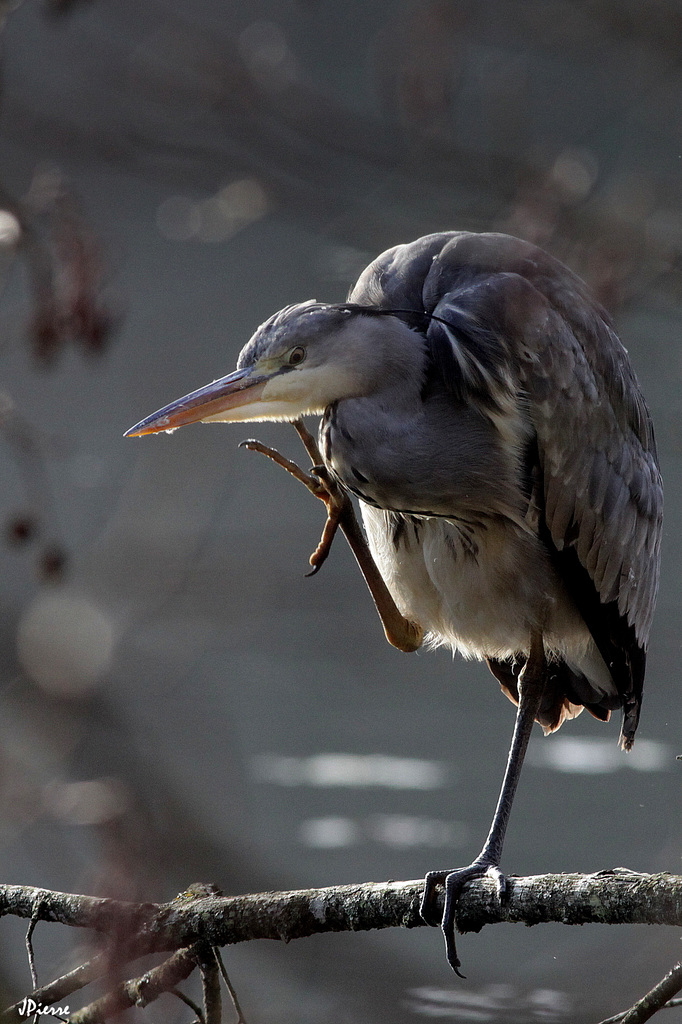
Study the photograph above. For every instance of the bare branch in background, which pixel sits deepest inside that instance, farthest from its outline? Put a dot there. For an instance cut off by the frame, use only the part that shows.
(658, 998)
(67, 271)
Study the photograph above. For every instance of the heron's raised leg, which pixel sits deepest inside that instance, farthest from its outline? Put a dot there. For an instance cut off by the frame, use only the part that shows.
(400, 632)
(318, 484)
(531, 687)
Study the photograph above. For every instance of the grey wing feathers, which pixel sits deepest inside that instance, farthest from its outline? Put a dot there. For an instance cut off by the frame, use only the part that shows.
(603, 491)
(525, 325)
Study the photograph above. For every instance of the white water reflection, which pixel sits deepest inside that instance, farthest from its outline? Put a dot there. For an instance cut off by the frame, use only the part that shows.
(354, 770)
(491, 1003)
(587, 756)
(331, 833)
(400, 831)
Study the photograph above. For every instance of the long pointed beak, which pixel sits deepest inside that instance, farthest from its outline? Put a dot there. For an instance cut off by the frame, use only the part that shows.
(212, 402)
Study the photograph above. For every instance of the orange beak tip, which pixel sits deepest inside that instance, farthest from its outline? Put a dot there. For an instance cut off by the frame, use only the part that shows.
(149, 430)
(236, 390)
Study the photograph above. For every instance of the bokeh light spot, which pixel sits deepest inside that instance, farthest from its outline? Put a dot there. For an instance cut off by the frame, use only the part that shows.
(574, 173)
(266, 54)
(91, 802)
(64, 643)
(10, 229)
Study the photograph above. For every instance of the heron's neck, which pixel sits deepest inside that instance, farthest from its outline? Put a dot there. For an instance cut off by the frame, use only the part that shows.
(395, 365)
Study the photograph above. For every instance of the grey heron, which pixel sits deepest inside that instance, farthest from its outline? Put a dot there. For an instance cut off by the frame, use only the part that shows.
(478, 403)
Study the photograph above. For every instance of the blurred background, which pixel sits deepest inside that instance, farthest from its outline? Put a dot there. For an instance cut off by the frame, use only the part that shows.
(179, 703)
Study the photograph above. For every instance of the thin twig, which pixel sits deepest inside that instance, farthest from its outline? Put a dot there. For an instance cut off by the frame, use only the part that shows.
(35, 917)
(188, 1002)
(241, 1019)
(29, 950)
(657, 998)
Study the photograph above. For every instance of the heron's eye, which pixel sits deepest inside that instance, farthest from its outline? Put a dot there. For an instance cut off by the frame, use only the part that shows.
(296, 356)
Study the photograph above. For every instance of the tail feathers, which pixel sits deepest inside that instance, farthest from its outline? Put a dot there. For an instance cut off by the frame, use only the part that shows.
(566, 694)
(628, 729)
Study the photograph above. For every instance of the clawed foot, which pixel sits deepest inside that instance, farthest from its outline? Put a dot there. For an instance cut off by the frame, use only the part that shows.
(318, 483)
(454, 882)
(337, 503)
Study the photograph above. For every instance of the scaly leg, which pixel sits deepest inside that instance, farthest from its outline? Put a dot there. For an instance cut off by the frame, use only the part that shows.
(531, 687)
(400, 632)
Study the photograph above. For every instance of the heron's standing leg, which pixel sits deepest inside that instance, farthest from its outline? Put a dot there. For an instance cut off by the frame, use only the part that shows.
(531, 688)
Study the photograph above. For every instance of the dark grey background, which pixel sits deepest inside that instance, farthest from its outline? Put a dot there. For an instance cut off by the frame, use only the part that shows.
(215, 681)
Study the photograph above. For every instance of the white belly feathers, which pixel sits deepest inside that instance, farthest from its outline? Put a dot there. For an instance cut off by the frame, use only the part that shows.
(465, 589)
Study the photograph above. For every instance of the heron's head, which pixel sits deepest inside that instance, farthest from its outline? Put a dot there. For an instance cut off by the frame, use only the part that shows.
(297, 363)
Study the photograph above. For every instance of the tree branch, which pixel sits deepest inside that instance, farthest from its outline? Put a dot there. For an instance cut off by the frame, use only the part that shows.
(143, 990)
(616, 896)
(210, 984)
